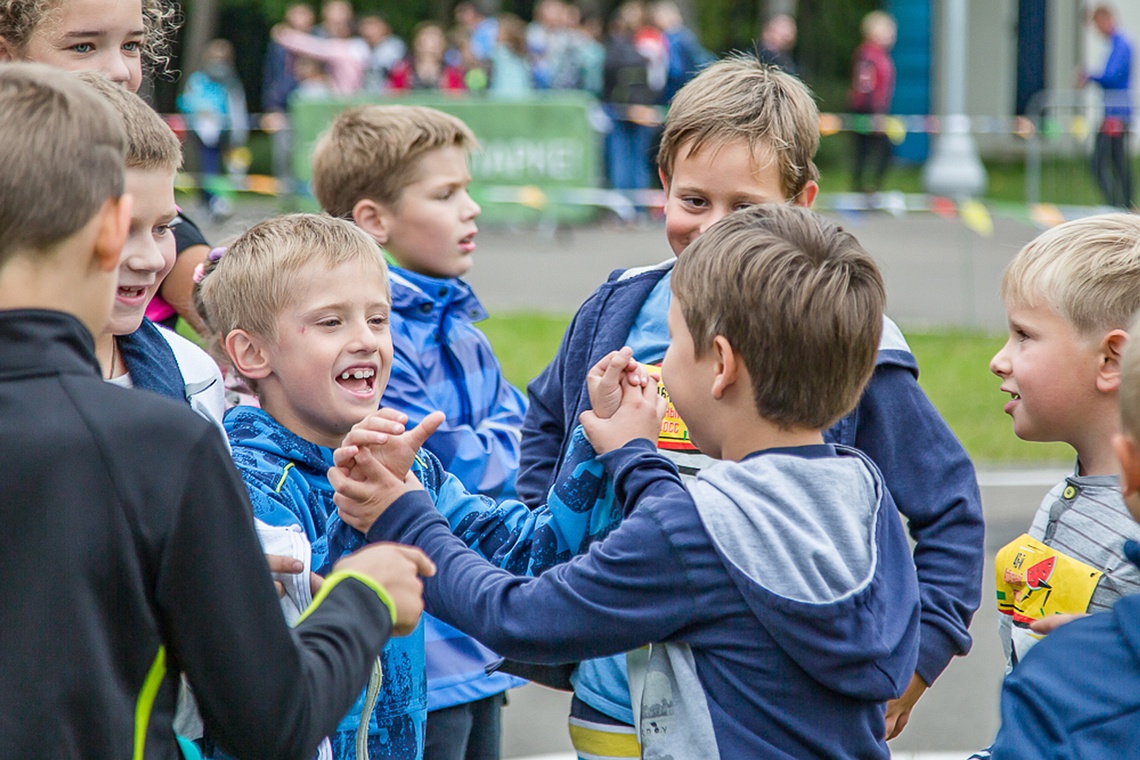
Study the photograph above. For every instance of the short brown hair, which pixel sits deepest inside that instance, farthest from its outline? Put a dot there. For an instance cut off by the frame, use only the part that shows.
(252, 282)
(61, 156)
(151, 144)
(19, 20)
(374, 152)
(740, 98)
(797, 297)
(1088, 269)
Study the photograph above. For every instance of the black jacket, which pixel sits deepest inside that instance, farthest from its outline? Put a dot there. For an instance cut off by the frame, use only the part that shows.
(127, 555)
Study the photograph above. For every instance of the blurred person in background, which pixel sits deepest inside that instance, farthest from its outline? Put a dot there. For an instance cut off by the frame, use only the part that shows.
(872, 89)
(685, 54)
(425, 68)
(777, 39)
(1111, 165)
(214, 104)
(385, 51)
(510, 70)
(630, 101)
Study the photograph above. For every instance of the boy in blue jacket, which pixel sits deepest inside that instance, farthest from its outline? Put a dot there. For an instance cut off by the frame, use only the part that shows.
(776, 590)
(741, 133)
(400, 173)
(302, 302)
(1075, 694)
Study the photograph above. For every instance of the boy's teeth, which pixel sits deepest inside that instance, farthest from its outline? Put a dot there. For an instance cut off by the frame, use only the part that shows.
(359, 374)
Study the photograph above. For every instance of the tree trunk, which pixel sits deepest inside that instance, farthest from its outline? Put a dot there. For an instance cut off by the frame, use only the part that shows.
(201, 27)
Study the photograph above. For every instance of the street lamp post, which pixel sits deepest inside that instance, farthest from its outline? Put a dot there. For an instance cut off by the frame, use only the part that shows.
(954, 168)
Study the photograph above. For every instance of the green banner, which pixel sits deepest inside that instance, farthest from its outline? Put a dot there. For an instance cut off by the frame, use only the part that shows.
(535, 156)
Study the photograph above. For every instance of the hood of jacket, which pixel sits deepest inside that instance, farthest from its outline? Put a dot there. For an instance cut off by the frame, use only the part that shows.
(814, 544)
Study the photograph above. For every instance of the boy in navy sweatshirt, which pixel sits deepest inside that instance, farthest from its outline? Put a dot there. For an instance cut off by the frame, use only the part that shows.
(776, 590)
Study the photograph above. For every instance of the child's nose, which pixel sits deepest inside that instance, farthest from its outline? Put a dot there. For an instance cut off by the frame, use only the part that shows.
(115, 68)
(999, 365)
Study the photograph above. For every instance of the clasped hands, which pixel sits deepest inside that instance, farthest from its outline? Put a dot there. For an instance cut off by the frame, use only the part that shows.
(373, 466)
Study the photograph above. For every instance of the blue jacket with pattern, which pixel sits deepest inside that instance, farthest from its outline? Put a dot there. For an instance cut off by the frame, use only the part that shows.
(288, 485)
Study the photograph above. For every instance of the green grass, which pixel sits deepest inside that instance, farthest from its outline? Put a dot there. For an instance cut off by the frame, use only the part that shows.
(955, 375)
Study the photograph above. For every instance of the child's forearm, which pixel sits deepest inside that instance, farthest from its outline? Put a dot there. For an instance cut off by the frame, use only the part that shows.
(639, 471)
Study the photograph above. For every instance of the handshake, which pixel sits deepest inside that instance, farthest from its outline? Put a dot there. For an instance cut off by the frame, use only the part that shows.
(373, 466)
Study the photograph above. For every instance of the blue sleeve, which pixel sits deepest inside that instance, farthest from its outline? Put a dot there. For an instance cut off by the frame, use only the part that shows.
(1074, 694)
(544, 427)
(484, 457)
(628, 590)
(1117, 67)
(511, 535)
(933, 484)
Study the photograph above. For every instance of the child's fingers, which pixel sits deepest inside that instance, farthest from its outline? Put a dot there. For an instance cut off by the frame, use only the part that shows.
(388, 413)
(418, 435)
(344, 456)
(279, 564)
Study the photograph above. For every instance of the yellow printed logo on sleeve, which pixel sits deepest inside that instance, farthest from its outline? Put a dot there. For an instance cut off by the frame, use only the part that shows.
(674, 434)
(1035, 581)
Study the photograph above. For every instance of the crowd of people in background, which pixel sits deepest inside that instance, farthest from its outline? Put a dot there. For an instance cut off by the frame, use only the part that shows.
(633, 64)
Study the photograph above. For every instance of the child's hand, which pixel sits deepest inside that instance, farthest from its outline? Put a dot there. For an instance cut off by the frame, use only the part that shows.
(383, 432)
(638, 416)
(398, 569)
(368, 477)
(605, 379)
(1051, 623)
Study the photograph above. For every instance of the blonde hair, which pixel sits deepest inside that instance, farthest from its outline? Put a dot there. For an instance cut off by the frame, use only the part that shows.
(19, 20)
(61, 157)
(1088, 269)
(740, 98)
(876, 20)
(797, 297)
(151, 144)
(250, 285)
(374, 152)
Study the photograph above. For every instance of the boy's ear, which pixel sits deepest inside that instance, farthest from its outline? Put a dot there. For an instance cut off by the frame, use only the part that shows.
(372, 217)
(1111, 349)
(728, 366)
(664, 180)
(807, 195)
(111, 235)
(1128, 452)
(248, 353)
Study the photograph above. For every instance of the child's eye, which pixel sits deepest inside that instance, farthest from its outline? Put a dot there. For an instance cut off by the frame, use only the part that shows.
(132, 47)
(82, 48)
(162, 229)
(378, 321)
(1021, 335)
(696, 202)
(330, 322)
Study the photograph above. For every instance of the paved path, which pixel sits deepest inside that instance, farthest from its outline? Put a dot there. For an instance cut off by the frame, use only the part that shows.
(938, 272)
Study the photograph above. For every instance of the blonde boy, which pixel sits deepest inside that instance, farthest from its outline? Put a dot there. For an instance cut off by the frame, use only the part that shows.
(400, 173)
(738, 134)
(107, 597)
(302, 302)
(1069, 296)
(776, 590)
(1076, 694)
(133, 350)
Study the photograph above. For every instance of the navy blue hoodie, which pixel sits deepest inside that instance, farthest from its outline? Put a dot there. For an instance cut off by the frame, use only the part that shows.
(778, 594)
